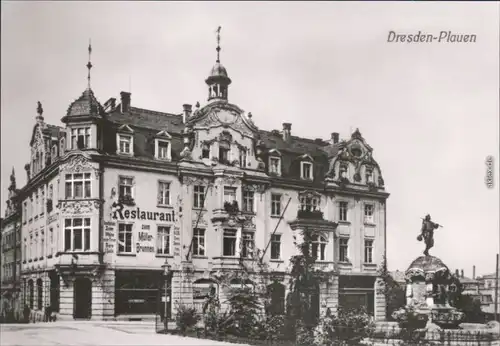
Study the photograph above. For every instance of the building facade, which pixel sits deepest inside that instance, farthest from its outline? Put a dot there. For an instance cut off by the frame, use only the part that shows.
(123, 203)
(10, 306)
(490, 288)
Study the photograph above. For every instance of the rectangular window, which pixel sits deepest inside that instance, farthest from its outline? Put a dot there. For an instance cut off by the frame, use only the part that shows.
(248, 245)
(37, 204)
(78, 185)
(309, 203)
(199, 196)
(369, 176)
(163, 240)
(42, 244)
(275, 204)
(125, 237)
(307, 170)
(343, 249)
(205, 151)
(198, 242)
(343, 211)
(125, 144)
(229, 243)
(223, 152)
(318, 247)
(51, 241)
(35, 247)
(42, 204)
(163, 193)
(368, 251)
(25, 211)
(276, 246)
(80, 138)
(163, 147)
(243, 158)
(248, 201)
(229, 194)
(125, 187)
(369, 213)
(274, 165)
(77, 234)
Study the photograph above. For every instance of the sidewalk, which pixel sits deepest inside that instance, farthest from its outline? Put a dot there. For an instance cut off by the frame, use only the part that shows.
(93, 333)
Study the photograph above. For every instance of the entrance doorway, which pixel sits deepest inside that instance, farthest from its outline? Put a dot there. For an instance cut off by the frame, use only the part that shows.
(82, 298)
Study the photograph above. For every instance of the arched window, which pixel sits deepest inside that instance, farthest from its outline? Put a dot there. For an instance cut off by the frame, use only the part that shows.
(31, 293)
(276, 306)
(39, 291)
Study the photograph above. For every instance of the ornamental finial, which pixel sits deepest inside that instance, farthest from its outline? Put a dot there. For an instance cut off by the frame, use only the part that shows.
(218, 43)
(89, 64)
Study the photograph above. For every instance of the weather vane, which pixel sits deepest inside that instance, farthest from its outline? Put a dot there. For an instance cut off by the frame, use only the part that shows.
(89, 64)
(218, 43)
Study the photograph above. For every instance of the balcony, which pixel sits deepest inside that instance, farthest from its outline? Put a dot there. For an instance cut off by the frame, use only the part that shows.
(127, 200)
(221, 263)
(78, 262)
(307, 218)
(230, 214)
(310, 214)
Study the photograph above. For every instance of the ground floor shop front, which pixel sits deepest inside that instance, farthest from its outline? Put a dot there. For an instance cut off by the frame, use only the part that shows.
(133, 294)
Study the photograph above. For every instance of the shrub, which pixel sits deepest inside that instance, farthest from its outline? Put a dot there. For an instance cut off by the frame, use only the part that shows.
(186, 318)
(349, 327)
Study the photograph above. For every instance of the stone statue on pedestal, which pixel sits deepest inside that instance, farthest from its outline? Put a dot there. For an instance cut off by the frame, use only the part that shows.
(427, 233)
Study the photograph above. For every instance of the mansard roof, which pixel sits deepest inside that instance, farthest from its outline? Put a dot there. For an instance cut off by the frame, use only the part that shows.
(147, 119)
(86, 105)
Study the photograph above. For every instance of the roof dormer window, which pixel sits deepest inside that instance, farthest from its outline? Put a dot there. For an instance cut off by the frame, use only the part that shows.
(274, 162)
(125, 144)
(205, 151)
(306, 170)
(163, 148)
(80, 138)
(125, 140)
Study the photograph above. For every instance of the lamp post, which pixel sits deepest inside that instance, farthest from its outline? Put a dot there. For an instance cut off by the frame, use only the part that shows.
(167, 272)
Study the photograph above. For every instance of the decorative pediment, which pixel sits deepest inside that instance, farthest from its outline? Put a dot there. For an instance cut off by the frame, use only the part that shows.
(274, 152)
(309, 194)
(125, 129)
(223, 114)
(76, 164)
(306, 157)
(163, 134)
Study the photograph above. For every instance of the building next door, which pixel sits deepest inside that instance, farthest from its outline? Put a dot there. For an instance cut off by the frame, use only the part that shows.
(82, 298)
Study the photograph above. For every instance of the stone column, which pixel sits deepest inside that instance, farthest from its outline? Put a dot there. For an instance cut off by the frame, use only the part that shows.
(66, 299)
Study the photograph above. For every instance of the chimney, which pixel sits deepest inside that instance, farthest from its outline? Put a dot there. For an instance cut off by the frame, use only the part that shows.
(462, 273)
(110, 104)
(125, 100)
(335, 137)
(287, 131)
(473, 272)
(187, 112)
(456, 273)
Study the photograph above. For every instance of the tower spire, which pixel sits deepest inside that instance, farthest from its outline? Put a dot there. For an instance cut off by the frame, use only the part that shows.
(89, 64)
(218, 44)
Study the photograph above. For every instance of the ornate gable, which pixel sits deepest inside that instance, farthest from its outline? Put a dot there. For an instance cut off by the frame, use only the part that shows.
(354, 163)
(223, 114)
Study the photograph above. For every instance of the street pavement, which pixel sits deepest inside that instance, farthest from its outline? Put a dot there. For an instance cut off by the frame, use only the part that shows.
(89, 333)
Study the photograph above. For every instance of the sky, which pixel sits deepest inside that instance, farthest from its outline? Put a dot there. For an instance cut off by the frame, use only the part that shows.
(429, 110)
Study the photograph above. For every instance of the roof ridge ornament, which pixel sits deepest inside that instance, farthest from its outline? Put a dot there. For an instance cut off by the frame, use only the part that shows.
(218, 43)
(89, 64)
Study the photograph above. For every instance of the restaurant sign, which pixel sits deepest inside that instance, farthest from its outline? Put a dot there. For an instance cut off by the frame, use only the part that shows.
(120, 213)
